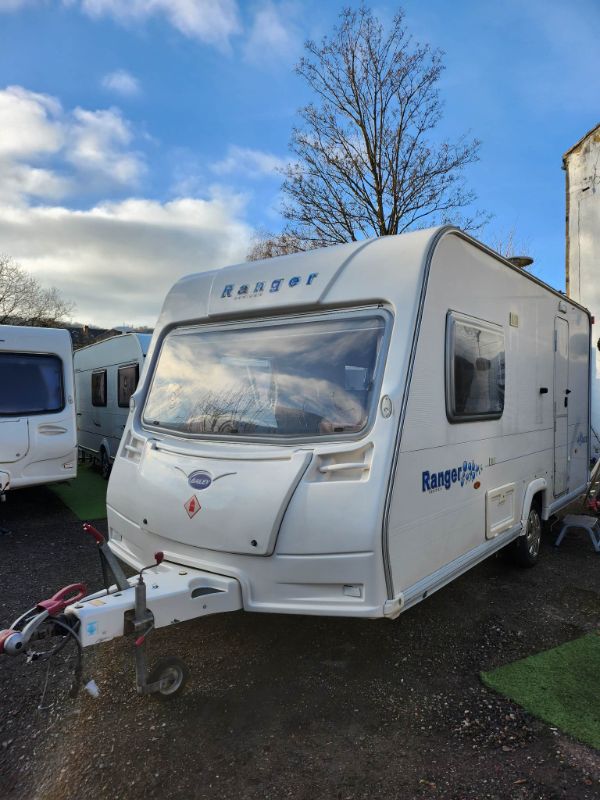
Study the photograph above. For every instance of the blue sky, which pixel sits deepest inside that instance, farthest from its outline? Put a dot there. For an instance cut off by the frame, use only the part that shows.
(140, 139)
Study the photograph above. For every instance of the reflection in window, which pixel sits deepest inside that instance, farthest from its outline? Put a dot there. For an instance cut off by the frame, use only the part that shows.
(291, 379)
(31, 384)
(477, 377)
(99, 388)
(126, 384)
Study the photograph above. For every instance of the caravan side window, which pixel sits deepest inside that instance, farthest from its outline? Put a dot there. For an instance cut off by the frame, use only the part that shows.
(475, 369)
(99, 388)
(128, 381)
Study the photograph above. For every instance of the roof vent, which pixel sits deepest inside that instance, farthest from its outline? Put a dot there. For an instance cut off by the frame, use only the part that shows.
(520, 261)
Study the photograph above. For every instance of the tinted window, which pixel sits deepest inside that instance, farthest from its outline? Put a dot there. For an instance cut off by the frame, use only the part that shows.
(292, 379)
(475, 370)
(31, 384)
(99, 388)
(128, 380)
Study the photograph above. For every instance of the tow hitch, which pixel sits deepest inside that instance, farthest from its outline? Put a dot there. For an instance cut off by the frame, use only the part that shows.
(159, 595)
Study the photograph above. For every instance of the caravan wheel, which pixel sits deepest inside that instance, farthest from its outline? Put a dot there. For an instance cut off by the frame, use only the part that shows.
(104, 464)
(527, 547)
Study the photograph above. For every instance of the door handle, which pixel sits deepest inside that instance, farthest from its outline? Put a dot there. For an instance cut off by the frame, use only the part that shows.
(543, 390)
(566, 402)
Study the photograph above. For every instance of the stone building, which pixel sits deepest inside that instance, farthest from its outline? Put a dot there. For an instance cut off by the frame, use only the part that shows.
(582, 168)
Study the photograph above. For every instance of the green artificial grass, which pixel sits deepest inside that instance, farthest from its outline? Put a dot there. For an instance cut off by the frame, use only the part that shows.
(559, 686)
(86, 495)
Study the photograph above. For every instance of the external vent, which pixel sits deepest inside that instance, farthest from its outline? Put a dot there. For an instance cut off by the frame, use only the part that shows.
(132, 448)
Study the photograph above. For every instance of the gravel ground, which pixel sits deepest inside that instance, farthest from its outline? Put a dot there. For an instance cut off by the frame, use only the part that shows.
(297, 707)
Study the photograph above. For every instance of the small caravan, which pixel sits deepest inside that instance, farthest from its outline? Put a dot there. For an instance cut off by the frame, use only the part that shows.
(106, 375)
(344, 431)
(38, 441)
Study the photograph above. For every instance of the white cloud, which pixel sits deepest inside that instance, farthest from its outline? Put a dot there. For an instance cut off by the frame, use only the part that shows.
(273, 34)
(13, 5)
(47, 152)
(117, 261)
(30, 123)
(99, 142)
(248, 162)
(210, 21)
(121, 82)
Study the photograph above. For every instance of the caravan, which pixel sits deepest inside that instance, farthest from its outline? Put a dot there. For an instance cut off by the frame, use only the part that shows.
(344, 431)
(106, 375)
(339, 432)
(37, 409)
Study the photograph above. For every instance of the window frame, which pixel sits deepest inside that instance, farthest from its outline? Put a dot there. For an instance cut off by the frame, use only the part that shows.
(45, 412)
(135, 365)
(364, 311)
(453, 317)
(103, 372)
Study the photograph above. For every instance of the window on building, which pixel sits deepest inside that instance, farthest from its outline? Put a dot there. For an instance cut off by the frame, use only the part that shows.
(475, 369)
(99, 388)
(127, 383)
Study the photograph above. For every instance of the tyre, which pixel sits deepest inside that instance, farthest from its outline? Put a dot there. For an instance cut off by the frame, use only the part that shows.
(527, 547)
(173, 674)
(105, 465)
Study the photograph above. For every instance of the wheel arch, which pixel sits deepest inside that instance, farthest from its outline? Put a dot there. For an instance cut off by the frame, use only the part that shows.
(535, 494)
(105, 445)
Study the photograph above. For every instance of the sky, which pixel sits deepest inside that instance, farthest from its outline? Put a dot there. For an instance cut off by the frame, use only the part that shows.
(141, 140)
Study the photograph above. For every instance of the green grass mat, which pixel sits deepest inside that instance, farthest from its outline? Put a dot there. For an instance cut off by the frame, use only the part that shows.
(86, 495)
(559, 686)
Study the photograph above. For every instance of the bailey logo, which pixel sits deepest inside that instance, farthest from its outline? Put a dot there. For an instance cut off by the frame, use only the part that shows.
(200, 479)
(258, 288)
(467, 472)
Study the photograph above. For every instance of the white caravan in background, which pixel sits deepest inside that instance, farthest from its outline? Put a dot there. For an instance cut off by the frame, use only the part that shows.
(106, 375)
(38, 440)
(344, 431)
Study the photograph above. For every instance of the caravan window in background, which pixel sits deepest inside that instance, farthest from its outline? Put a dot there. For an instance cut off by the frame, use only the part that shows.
(475, 369)
(99, 388)
(31, 384)
(127, 383)
(296, 378)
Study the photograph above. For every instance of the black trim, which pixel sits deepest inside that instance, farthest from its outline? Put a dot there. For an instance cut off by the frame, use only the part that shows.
(104, 373)
(58, 409)
(136, 367)
(454, 417)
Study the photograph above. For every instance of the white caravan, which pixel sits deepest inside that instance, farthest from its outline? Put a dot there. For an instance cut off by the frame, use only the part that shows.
(38, 441)
(106, 375)
(344, 431)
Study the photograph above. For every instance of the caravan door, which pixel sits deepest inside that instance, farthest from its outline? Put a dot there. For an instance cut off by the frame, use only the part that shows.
(561, 406)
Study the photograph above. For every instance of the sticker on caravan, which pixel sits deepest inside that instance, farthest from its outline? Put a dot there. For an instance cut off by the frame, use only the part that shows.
(200, 479)
(436, 480)
(192, 506)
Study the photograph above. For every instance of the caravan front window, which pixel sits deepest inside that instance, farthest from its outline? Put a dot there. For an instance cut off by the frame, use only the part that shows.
(31, 383)
(298, 378)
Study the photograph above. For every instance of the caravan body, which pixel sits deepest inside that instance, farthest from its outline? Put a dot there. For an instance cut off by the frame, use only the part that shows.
(344, 431)
(106, 375)
(37, 409)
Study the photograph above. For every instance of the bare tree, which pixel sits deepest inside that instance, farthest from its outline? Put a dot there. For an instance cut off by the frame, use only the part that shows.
(23, 301)
(368, 160)
(509, 244)
(269, 245)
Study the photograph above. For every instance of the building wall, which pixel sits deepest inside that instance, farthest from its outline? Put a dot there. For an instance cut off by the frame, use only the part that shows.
(582, 166)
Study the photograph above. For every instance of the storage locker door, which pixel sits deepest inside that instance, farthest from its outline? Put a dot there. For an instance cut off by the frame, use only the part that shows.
(561, 406)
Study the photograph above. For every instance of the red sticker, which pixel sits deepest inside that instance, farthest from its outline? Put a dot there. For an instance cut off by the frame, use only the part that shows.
(192, 506)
